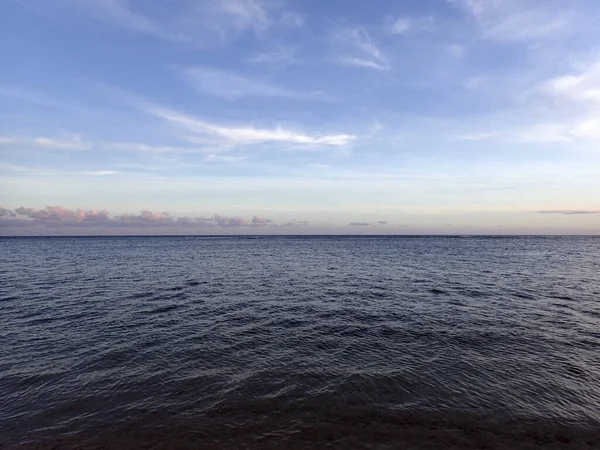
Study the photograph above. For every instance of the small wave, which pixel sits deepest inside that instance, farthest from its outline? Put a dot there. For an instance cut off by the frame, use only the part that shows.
(163, 309)
(437, 291)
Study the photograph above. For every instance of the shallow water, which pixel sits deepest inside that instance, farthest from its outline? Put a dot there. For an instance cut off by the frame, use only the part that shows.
(281, 342)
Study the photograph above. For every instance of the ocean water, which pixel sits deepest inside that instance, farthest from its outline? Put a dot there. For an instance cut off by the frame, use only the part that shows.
(300, 342)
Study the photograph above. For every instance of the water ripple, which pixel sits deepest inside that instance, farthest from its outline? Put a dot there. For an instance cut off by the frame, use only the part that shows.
(300, 342)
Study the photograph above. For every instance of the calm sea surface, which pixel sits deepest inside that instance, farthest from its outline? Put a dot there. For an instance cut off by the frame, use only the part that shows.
(281, 342)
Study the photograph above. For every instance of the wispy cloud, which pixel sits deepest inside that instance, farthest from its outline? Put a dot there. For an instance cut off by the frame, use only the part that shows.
(74, 143)
(359, 224)
(29, 96)
(295, 224)
(281, 56)
(404, 25)
(230, 86)
(248, 135)
(517, 20)
(357, 48)
(31, 171)
(582, 86)
(97, 173)
(24, 170)
(569, 211)
(476, 136)
(205, 22)
(145, 148)
(360, 62)
(225, 158)
(574, 101)
(563, 109)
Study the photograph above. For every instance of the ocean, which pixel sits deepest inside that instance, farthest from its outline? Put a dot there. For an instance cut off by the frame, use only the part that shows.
(300, 342)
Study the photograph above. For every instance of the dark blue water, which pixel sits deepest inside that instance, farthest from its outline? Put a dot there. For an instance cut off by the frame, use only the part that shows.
(190, 342)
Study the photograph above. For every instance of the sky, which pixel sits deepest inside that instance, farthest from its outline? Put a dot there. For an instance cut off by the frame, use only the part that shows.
(299, 117)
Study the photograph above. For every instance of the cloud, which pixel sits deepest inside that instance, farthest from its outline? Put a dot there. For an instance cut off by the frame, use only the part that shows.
(296, 223)
(45, 172)
(260, 221)
(97, 173)
(403, 25)
(382, 222)
(281, 56)
(207, 22)
(359, 224)
(7, 212)
(225, 158)
(366, 63)
(582, 86)
(26, 95)
(145, 217)
(74, 143)
(248, 135)
(455, 50)
(517, 20)
(230, 86)
(545, 133)
(139, 147)
(476, 136)
(574, 99)
(57, 216)
(569, 211)
(358, 48)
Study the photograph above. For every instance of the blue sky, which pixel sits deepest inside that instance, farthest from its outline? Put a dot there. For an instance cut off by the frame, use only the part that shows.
(299, 117)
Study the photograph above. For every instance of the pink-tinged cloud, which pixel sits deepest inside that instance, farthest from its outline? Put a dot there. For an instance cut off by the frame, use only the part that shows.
(53, 216)
(227, 222)
(60, 214)
(260, 221)
(144, 217)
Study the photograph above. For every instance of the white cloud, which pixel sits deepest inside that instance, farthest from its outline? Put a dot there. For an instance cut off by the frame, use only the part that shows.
(563, 109)
(358, 48)
(224, 158)
(138, 147)
(401, 25)
(280, 56)
(404, 25)
(204, 22)
(98, 173)
(545, 133)
(26, 95)
(476, 136)
(248, 135)
(292, 19)
(74, 143)
(231, 86)
(367, 63)
(517, 20)
(583, 86)
(574, 100)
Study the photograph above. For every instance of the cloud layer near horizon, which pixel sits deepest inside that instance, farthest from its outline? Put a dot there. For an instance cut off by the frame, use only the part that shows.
(58, 216)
